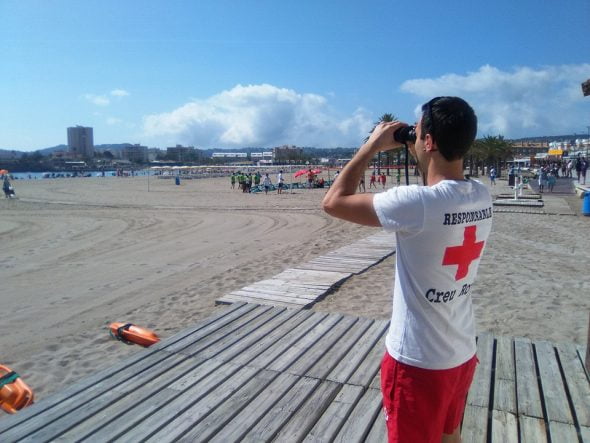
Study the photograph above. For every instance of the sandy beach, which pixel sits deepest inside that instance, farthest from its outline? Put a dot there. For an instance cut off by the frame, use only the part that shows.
(78, 254)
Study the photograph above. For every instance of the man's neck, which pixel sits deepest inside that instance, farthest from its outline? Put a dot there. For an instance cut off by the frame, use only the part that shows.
(440, 169)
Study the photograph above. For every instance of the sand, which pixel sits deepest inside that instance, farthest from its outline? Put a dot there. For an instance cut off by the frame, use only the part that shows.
(78, 254)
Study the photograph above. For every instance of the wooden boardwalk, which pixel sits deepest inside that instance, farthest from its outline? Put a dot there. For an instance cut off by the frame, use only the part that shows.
(262, 373)
(309, 282)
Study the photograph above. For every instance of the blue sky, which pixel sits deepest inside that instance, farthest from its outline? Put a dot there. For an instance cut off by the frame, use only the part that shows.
(227, 74)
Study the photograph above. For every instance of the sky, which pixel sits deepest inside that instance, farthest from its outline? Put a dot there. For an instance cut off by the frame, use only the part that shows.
(246, 73)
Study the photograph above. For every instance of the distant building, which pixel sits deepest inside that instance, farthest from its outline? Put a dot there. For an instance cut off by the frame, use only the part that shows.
(80, 142)
(181, 153)
(229, 155)
(529, 149)
(285, 154)
(136, 153)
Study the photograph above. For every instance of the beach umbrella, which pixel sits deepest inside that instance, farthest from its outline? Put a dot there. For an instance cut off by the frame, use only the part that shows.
(3, 172)
(300, 172)
(316, 171)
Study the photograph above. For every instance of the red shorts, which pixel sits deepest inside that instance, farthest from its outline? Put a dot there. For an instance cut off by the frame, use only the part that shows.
(422, 404)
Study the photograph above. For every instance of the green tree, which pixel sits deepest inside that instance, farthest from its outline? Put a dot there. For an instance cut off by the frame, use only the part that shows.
(385, 118)
(489, 151)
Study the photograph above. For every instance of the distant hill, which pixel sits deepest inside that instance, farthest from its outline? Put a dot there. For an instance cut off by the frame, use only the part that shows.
(550, 138)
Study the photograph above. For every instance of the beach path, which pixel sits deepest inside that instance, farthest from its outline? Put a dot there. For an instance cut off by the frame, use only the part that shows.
(260, 373)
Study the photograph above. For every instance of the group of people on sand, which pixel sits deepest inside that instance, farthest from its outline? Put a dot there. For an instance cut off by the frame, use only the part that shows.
(376, 178)
(245, 181)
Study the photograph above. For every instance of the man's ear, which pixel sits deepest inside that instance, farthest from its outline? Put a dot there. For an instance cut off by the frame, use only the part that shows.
(429, 143)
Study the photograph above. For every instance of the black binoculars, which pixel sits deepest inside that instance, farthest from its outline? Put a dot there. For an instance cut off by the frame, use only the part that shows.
(407, 134)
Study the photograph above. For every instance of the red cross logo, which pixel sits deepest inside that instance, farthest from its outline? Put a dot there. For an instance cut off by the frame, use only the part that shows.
(463, 255)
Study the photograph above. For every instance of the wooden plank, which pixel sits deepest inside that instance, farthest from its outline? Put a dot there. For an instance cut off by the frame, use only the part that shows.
(360, 421)
(257, 408)
(287, 341)
(97, 393)
(117, 371)
(351, 361)
(475, 424)
(202, 420)
(281, 411)
(479, 393)
(307, 415)
(369, 367)
(135, 427)
(285, 291)
(282, 285)
(378, 433)
(562, 432)
(262, 298)
(149, 399)
(191, 348)
(532, 430)
(527, 387)
(504, 427)
(234, 317)
(228, 336)
(335, 354)
(553, 391)
(330, 340)
(248, 337)
(336, 415)
(302, 321)
(247, 349)
(577, 382)
(228, 299)
(505, 380)
(301, 346)
(114, 402)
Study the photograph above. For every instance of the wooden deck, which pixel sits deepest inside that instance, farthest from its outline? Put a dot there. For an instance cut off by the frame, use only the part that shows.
(261, 373)
(304, 285)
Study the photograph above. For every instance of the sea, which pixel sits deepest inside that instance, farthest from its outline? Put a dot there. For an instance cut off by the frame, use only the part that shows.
(69, 174)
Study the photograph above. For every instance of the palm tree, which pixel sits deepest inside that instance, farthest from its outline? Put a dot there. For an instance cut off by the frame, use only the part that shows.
(385, 118)
(490, 150)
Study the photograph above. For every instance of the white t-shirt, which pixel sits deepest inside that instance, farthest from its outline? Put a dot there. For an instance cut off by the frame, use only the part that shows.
(441, 232)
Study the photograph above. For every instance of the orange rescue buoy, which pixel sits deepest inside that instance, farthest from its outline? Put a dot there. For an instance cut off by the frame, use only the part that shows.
(129, 333)
(15, 394)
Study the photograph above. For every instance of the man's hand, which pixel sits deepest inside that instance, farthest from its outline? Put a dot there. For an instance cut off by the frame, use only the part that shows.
(381, 138)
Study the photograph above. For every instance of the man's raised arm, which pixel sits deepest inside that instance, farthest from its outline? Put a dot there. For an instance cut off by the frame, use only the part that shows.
(341, 200)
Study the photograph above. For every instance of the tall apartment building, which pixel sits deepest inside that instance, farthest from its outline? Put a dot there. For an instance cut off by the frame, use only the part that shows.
(136, 153)
(181, 153)
(81, 142)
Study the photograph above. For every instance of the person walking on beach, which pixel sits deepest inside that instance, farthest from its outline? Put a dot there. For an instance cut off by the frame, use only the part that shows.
(266, 183)
(7, 188)
(542, 179)
(583, 169)
(362, 183)
(372, 181)
(383, 179)
(280, 182)
(493, 176)
(441, 229)
(233, 180)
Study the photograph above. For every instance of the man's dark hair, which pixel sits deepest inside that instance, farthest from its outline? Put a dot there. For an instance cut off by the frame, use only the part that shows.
(452, 123)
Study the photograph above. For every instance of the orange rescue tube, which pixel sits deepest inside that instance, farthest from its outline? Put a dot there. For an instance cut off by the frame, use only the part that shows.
(129, 333)
(15, 394)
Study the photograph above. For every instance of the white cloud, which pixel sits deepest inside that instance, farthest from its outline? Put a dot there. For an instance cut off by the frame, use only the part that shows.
(522, 102)
(258, 115)
(119, 93)
(111, 121)
(99, 100)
